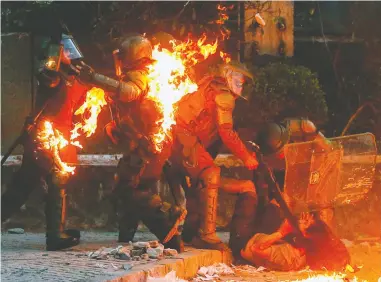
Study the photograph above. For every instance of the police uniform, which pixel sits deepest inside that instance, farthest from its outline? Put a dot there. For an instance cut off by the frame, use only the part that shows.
(135, 125)
(38, 167)
(202, 118)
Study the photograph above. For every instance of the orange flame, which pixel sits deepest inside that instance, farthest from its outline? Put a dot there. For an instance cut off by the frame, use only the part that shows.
(53, 140)
(327, 278)
(223, 17)
(95, 100)
(169, 79)
(225, 57)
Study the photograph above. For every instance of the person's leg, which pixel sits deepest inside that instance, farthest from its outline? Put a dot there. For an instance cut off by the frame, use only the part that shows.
(55, 213)
(162, 219)
(24, 181)
(243, 220)
(126, 180)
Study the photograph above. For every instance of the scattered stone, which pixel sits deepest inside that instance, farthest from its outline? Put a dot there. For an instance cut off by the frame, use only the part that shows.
(144, 256)
(45, 255)
(127, 266)
(139, 245)
(155, 252)
(122, 256)
(136, 258)
(170, 252)
(154, 244)
(16, 231)
(137, 253)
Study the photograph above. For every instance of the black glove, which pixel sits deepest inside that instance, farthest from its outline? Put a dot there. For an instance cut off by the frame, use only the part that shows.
(86, 73)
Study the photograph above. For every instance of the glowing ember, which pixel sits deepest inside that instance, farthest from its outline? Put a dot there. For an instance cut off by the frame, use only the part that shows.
(53, 140)
(169, 79)
(328, 278)
(95, 100)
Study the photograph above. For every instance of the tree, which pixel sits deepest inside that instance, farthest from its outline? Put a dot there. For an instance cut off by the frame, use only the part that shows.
(282, 90)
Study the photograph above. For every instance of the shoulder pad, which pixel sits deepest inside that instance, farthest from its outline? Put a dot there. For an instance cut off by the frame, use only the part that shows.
(225, 100)
(138, 77)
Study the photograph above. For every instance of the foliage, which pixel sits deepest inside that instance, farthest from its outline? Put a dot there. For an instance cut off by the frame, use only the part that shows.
(282, 90)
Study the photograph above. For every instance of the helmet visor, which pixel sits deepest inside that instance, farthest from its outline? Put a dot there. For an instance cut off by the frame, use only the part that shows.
(71, 48)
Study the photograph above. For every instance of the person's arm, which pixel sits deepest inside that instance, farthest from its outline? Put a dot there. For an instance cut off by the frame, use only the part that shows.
(308, 130)
(125, 91)
(225, 105)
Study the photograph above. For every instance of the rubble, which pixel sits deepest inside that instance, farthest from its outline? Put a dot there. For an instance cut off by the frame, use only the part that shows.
(170, 252)
(213, 272)
(134, 251)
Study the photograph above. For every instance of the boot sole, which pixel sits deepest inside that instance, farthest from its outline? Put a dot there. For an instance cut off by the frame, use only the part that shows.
(174, 229)
(201, 244)
(59, 247)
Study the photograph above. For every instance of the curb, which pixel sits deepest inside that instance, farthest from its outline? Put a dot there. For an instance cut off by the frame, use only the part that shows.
(186, 265)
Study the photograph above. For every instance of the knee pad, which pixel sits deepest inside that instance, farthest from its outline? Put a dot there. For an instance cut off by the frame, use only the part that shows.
(60, 179)
(248, 187)
(211, 177)
(246, 204)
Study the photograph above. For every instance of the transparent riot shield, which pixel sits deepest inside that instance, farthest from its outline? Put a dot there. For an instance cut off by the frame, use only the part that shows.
(317, 179)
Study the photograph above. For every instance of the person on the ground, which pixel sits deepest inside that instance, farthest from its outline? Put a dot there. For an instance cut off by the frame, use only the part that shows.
(272, 138)
(319, 248)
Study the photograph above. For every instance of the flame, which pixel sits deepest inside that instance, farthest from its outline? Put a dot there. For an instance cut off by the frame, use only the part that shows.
(53, 140)
(335, 277)
(223, 17)
(169, 78)
(95, 100)
(225, 57)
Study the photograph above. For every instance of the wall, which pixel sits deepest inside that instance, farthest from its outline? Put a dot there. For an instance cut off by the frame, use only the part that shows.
(270, 37)
(16, 98)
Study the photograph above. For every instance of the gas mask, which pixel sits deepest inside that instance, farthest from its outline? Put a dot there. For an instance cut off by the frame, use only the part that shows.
(235, 80)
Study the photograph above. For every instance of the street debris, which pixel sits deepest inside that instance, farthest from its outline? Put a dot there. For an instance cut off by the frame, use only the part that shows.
(133, 252)
(208, 273)
(170, 277)
(16, 231)
(215, 271)
(248, 269)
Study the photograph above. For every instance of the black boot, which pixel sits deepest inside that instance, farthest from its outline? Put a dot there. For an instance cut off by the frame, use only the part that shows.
(192, 222)
(56, 238)
(163, 220)
(128, 224)
(242, 224)
(126, 181)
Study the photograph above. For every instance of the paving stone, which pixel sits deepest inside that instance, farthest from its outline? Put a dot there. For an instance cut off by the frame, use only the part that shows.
(23, 258)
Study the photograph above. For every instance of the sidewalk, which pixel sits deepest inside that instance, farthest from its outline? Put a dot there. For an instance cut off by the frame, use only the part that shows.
(23, 258)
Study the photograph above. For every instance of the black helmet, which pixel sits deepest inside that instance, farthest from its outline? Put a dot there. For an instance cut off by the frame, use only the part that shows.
(132, 51)
(272, 138)
(163, 39)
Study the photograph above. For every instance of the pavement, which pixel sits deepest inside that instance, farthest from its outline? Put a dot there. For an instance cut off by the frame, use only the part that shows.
(23, 258)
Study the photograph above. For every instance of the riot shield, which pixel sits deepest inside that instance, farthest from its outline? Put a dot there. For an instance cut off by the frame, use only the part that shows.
(316, 179)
